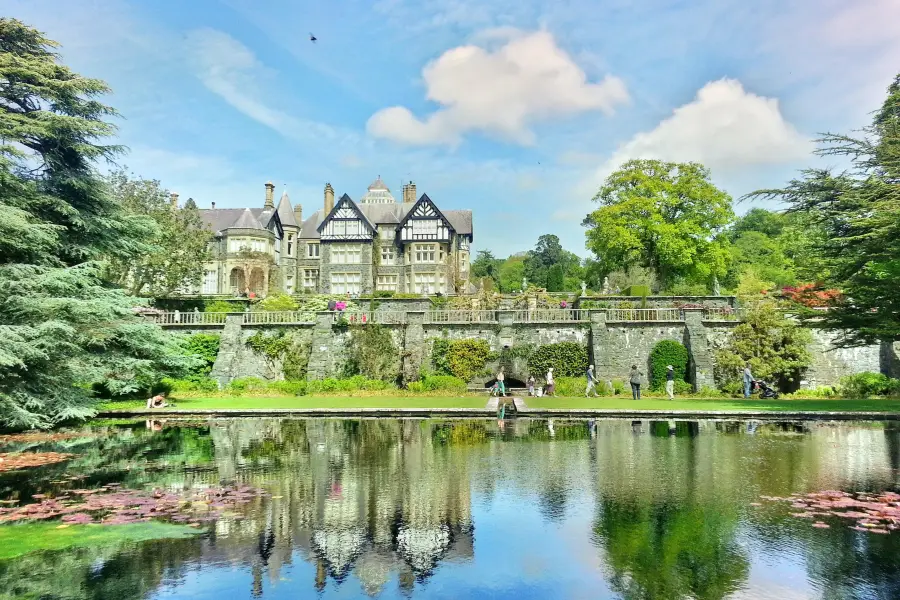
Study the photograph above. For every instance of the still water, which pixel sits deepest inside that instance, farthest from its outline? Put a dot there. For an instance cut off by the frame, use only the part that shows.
(465, 509)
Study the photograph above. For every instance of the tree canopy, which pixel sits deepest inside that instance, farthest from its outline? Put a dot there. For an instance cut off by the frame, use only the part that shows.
(858, 214)
(62, 329)
(179, 248)
(668, 217)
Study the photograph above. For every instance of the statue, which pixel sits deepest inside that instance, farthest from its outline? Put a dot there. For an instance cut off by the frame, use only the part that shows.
(606, 286)
(583, 289)
(716, 290)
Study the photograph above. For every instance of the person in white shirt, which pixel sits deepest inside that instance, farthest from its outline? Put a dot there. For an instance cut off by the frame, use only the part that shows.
(551, 385)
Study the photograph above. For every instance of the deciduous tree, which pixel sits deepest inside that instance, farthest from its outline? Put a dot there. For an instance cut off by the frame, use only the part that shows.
(179, 248)
(666, 216)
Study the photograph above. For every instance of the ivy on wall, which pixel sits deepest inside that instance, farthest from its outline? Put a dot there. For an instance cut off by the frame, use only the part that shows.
(464, 359)
(568, 359)
(371, 352)
(280, 348)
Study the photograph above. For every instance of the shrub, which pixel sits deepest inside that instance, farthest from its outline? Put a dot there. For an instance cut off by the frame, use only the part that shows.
(246, 384)
(865, 385)
(664, 353)
(568, 359)
(416, 387)
(467, 358)
(277, 302)
(443, 383)
(440, 361)
(293, 388)
(197, 384)
(371, 353)
(204, 346)
(223, 306)
(682, 387)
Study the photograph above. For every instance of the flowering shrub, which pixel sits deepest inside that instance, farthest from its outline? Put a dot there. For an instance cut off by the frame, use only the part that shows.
(811, 295)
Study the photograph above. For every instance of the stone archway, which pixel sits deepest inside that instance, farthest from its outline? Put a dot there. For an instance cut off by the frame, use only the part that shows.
(237, 281)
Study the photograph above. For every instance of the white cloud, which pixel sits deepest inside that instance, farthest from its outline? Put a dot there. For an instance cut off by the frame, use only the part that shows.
(726, 128)
(500, 93)
(229, 69)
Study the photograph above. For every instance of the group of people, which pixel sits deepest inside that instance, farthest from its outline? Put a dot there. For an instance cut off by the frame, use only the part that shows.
(499, 387)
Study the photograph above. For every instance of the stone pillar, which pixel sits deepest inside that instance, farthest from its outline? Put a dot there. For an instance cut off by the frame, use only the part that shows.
(229, 350)
(601, 347)
(320, 353)
(890, 359)
(413, 345)
(507, 333)
(701, 357)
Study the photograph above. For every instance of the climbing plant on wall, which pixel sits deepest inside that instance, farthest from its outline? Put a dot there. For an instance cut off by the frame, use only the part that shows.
(204, 346)
(665, 353)
(461, 358)
(568, 359)
(371, 352)
(283, 350)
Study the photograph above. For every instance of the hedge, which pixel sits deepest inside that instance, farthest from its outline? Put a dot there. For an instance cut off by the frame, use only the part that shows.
(664, 353)
(568, 359)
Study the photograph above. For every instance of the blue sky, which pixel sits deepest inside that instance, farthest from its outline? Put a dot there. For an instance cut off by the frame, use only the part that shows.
(515, 109)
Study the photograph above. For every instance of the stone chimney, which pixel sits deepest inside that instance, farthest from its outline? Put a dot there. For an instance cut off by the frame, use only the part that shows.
(329, 198)
(270, 195)
(298, 214)
(409, 192)
(173, 200)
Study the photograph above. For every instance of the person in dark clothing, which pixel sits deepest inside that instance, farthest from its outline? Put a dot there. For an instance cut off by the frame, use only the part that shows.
(670, 382)
(636, 378)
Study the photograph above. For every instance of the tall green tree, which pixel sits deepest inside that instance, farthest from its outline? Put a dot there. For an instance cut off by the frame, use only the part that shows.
(668, 217)
(180, 246)
(486, 265)
(61, 328)
(547, 252)
(858, 213)
(512, 270)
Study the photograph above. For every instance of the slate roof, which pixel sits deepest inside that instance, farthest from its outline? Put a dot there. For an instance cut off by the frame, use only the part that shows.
(286, 212)
(378, 184)
(219, 219)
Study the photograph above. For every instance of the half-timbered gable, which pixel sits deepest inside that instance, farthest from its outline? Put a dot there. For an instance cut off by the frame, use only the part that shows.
(425, 223)
(346, 223)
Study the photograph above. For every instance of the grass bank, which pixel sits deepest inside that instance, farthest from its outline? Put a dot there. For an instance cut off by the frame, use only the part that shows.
(478, 401)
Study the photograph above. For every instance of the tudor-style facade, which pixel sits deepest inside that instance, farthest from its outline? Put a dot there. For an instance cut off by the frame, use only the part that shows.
(377, 244)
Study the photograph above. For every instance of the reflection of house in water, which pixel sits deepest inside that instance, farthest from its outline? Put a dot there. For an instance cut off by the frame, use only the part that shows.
(368, 498)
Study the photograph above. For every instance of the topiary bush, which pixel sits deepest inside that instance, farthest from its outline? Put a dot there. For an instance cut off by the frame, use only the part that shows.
(568, 359)
(664, 353)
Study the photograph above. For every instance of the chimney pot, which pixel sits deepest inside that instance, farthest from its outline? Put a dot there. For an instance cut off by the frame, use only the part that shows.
(214, 205)
(173, 199)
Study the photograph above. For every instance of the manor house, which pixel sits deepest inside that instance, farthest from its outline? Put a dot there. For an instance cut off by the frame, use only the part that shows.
(376, 244)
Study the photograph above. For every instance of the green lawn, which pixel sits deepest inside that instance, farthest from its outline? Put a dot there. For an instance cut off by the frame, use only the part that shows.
(620, 403)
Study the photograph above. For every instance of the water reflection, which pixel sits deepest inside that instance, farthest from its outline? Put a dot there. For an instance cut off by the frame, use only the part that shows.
(608, 509)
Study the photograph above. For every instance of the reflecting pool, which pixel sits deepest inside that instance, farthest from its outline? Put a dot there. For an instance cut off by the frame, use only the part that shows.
(463, 509)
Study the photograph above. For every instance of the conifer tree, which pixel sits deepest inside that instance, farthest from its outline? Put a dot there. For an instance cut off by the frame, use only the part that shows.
(62, 330)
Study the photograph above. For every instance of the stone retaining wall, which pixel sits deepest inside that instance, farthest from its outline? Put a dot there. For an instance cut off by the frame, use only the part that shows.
(613, 347)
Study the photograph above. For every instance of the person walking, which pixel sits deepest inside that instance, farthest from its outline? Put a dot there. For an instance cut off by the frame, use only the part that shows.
(530, 383)
(670, 382)
(635, 377)
(748, 381)
(501, 379)
(551, 385)
(591, 383)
